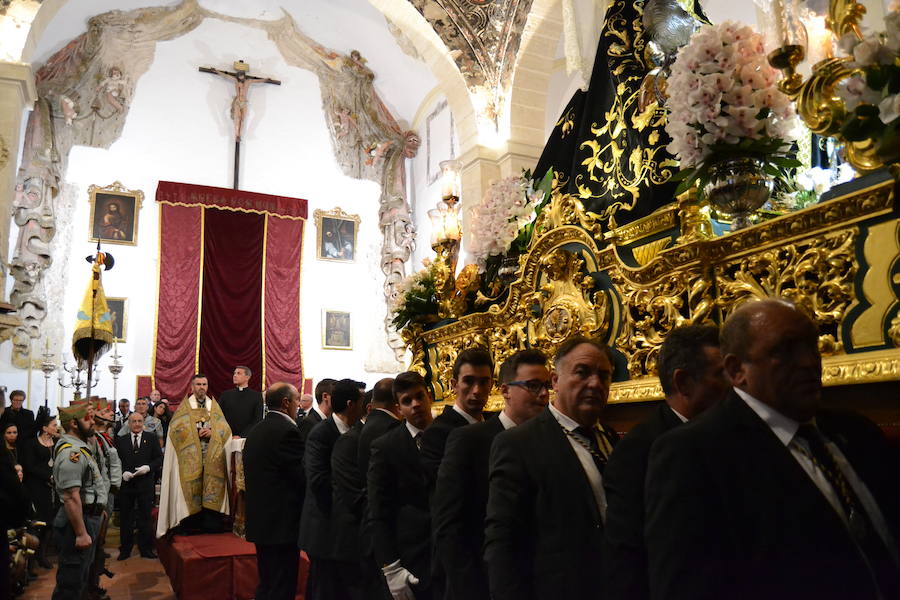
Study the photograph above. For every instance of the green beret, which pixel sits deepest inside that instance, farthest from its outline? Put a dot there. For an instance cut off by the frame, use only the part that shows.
(75, 411)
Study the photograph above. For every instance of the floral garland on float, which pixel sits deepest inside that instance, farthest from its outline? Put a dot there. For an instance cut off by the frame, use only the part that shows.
(732, 129)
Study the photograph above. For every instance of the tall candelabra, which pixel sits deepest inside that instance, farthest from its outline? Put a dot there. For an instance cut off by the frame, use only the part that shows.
(115, 367)
(48, 367)
(76, 378)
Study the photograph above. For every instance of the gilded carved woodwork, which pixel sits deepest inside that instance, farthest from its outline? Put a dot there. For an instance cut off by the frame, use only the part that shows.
(839, 260)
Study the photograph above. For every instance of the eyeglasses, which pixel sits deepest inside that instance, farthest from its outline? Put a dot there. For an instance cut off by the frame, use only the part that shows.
(535, 386)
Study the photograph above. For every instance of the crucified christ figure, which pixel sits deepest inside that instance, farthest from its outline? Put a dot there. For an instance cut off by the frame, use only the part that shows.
(242, 83)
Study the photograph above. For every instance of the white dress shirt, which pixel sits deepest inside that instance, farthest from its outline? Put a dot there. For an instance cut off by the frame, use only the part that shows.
(785, 430)
(506, 421)
(341, 425)
(286, 416)
(469, 418)
(413, 430)
(586, 460)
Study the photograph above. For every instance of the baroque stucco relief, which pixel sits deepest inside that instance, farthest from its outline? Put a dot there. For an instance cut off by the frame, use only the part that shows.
(85, 91)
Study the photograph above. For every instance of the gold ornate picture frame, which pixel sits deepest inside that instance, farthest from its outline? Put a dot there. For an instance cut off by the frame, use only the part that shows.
(336, 332)
(119, 309)
(114, 214)
(336, 235)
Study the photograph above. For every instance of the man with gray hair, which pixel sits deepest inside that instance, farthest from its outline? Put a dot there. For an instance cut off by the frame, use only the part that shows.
(546, 504)
(242, 406)
(766, 495)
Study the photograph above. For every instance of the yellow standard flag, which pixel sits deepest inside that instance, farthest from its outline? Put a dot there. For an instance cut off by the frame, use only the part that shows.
(102, 331)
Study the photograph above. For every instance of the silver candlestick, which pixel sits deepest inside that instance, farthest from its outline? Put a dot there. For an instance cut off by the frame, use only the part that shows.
(115, 367)
(48, 367)
(76, 378)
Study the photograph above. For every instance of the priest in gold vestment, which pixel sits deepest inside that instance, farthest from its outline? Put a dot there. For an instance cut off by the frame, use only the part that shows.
(194, 478)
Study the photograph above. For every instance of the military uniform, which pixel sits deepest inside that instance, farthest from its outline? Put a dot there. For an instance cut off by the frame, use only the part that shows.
(111, 471)
(74, 465)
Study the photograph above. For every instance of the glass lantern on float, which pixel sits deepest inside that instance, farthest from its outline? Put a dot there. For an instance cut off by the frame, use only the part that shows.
(446, 232)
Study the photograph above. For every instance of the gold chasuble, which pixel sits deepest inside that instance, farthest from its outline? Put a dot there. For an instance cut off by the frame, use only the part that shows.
(194, 471)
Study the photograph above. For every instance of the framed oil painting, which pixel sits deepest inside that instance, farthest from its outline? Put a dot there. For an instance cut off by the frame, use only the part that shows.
(336, 235)
(114, 214)
(336, 330)
(119, 309)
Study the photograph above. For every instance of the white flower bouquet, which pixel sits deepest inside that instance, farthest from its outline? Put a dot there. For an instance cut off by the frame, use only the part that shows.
(504, 219)
(724, 103)
(415, 298)
(872, 93)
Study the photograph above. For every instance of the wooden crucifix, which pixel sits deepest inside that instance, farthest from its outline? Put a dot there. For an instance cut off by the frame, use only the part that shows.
(242, 82)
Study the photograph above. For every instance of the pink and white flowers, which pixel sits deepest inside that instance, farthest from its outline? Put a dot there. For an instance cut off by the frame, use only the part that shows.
(507, 206)
(879, 52)
(723, 91)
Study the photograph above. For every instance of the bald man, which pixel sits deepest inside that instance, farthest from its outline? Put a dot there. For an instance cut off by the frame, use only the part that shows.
(273, 476)
(766, 495)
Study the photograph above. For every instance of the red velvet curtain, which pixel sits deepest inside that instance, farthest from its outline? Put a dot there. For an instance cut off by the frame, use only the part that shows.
(231, 309)
(282, 305)
(177, 306)
(248, 310)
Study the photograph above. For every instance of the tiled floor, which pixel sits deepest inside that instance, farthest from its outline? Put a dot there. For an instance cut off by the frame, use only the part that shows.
(135, 578)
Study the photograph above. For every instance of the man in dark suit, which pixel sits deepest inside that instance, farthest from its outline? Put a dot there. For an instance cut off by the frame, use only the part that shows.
(306, 403)
(328, 576)
(382, 418)
(473, 378)
(242, 406)
(273, 477)
(461, 494)
(546, 504)
(348, 502)
(122, 414)
(398, 515)
(20, 416)
(766, 496)
(320, 410)
(693, 379)
(141, 459)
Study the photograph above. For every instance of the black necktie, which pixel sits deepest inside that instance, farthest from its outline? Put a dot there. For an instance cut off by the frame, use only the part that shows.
(587, 437)
(859, 524)
(135, 445)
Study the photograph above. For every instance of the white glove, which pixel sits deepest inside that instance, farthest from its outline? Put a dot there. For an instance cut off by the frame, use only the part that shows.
(142, 470)
(398, 580)
(127, 475)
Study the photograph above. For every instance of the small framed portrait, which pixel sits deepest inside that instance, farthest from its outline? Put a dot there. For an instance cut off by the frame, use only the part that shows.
(114, 214)
(336, 330)
(118, 308)
(336, 235)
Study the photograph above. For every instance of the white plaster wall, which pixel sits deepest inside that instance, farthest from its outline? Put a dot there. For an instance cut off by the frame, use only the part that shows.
(178, 129)
(438, 137)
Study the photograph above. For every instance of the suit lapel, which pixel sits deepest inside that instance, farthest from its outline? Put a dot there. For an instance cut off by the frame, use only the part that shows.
(780, 464)
(558, 443)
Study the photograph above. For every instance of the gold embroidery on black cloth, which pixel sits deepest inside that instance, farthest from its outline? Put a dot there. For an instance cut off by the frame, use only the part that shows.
(627, 154)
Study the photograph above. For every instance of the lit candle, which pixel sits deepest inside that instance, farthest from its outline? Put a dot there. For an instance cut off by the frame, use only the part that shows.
(819, 46)
(780, 18)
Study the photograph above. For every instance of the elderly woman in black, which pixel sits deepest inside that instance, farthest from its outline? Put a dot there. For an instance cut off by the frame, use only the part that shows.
(36, 456)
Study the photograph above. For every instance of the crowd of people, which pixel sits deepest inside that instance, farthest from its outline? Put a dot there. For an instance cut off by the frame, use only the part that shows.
(90, 440)
(739, 485)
